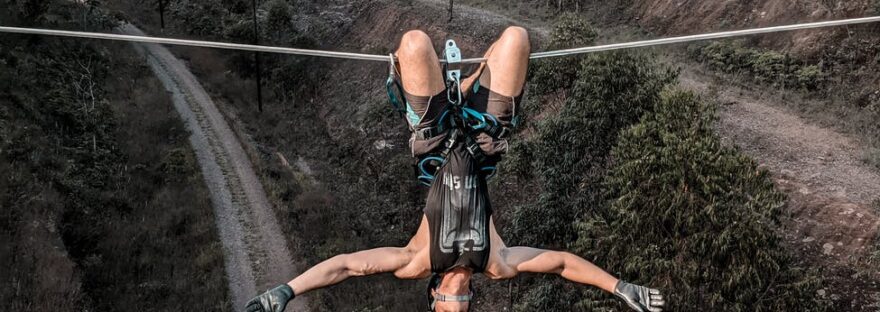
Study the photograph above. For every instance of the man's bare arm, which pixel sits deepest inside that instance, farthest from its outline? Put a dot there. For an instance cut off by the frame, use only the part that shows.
(361, 263)
(410, 262)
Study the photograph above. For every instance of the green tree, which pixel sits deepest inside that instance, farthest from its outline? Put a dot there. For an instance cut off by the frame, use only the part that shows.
(559, 73)
(569, 150)
(693, 217)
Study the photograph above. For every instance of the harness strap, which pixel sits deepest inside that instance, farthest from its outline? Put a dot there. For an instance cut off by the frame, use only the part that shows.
(461, 123)
(452, 298)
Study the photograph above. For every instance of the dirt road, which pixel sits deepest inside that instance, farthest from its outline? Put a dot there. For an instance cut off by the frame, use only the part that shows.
(256, 255)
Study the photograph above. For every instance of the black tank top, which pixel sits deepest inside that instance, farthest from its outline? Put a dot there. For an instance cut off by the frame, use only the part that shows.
(458, 213)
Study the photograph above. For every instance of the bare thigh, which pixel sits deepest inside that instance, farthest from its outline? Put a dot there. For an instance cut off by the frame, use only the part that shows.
(497, 268)
(420, 265)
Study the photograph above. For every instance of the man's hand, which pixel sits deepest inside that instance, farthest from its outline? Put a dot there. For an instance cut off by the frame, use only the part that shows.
(274, 300)
(640, 298)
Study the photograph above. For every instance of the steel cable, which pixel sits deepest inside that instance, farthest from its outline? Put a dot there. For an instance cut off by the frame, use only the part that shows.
(385, 58)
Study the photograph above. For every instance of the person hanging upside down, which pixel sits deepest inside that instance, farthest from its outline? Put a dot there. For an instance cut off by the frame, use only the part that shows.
(457, 146)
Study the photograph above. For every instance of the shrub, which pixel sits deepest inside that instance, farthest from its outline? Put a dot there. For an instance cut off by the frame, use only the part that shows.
(559, 73)
(569, 149)
(567, 153)
(809, 77)
(695, 218)
(765, 66)
(178, 164)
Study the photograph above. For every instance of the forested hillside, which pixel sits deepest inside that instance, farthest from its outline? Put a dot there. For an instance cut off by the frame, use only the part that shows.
(103, 208)
(613, 163)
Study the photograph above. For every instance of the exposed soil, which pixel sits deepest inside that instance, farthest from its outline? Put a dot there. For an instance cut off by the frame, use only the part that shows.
(256, 253)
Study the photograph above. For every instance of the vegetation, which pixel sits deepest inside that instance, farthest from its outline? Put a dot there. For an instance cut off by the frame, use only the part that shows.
(707, 217)
(581, 156)
(765, 66)
(658, 200)
(568, 152)
(103, 207)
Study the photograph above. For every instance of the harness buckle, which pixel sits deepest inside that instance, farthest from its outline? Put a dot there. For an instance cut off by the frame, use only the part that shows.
(452, 54)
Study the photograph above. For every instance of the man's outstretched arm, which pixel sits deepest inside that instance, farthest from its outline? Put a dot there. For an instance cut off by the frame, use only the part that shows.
(410, 262)
(338, 269)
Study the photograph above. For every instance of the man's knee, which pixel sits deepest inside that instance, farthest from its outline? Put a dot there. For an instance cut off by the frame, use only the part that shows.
(515, 36)
(415, 42)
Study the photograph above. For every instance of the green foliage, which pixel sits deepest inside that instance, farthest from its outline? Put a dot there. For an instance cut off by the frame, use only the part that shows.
(809, 77)
(571, 30)
(693, 217)
(278, 17)
(31, 10)
(547, 297)
(84, 226)
(765, 66)
(569, 149)
(178, 164)
(568, 152)
(559, 73)
(203, 18)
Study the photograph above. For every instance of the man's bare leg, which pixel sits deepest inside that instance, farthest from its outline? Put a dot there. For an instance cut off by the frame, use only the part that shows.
(419, 66)
(506, 262)
(504, 71)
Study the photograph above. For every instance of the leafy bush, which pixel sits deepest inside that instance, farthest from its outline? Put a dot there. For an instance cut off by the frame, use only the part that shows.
(559, 73)
(693, 217)
(765, 66)
(203, 18)
(569, 149)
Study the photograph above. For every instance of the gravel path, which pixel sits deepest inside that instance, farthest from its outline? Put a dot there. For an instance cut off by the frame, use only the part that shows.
(256, 254)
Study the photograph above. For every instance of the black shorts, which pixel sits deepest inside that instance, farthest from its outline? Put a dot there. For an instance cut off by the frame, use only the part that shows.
(426, 110)
(458, 212)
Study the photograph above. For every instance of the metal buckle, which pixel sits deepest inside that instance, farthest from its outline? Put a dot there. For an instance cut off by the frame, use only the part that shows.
(452, 54)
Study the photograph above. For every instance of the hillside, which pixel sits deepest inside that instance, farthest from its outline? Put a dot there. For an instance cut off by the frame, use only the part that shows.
(102, 202)
(359, 170)
(736, 176)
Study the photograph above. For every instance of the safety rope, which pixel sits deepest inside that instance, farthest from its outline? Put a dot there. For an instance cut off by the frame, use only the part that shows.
(384, 58)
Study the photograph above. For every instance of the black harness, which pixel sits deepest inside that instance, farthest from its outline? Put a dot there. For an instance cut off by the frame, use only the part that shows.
(459, 122)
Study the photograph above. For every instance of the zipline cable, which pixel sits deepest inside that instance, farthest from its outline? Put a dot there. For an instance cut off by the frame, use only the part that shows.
(195, 43)
(384, 58)
(703, 37)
